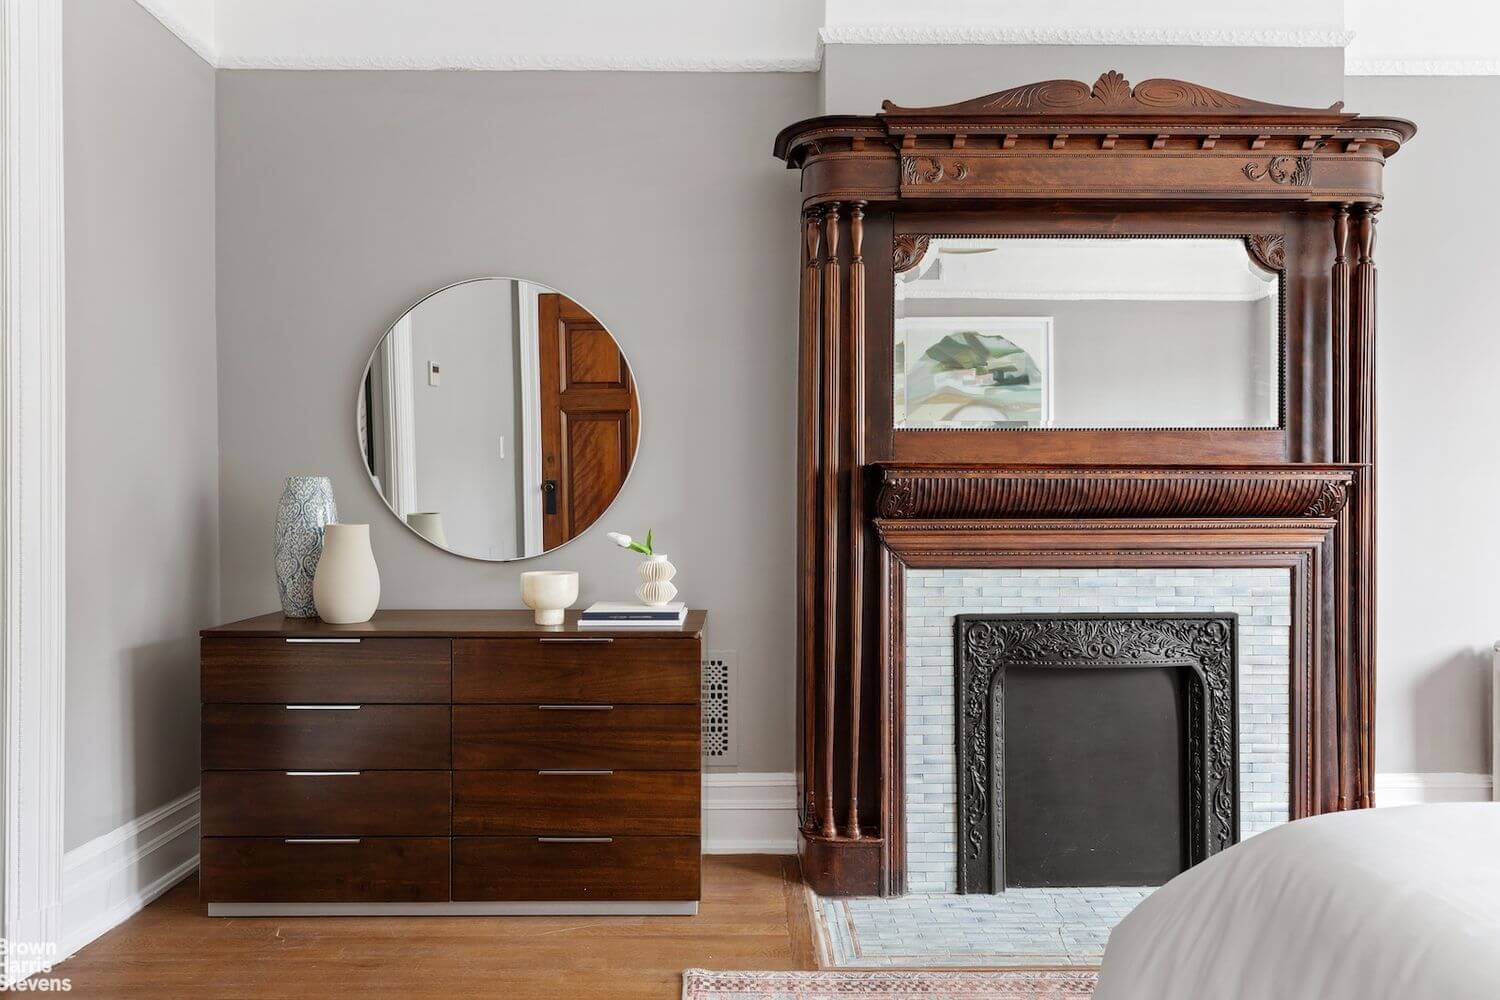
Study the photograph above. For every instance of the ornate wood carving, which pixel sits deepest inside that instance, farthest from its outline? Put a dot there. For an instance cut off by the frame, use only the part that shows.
(1268, 249)
(1067, 139)
(1112, 94)
(987, 644)
(1069, 159)
(914, 492)
(907, 251)
(1292, 170)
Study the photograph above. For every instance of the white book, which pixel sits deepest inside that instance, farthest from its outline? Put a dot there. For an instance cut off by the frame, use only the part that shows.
(618, 612)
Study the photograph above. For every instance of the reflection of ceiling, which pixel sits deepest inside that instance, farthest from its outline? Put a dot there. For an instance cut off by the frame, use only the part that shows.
(1148, 269)
(1439, 36)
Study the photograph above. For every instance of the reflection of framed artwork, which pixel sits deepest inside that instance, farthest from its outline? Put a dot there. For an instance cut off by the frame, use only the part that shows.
(973, 371)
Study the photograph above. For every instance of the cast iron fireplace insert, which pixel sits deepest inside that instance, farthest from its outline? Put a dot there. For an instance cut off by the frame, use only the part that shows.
(1094, 749)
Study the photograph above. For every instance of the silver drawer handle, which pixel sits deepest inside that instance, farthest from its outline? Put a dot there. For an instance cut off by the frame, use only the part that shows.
(575, 840)
(323, 641)
(319, 774)
(601, 638)
(321, 840)
(323, 708)
(562, 771)
(576, 708)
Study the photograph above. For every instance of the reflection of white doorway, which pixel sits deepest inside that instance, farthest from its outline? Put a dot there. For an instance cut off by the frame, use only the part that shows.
(529, 426)
(31, 492)
(400, 419)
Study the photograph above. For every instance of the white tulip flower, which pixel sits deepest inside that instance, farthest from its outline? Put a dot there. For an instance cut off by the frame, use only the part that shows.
(623, 541)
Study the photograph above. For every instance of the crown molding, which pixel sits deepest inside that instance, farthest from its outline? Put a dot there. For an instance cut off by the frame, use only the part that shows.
(1422, 67)
(527, 62)
(993, 34)
(196, 36)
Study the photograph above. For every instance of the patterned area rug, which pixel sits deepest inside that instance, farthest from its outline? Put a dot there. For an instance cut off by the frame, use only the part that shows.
(699, 984)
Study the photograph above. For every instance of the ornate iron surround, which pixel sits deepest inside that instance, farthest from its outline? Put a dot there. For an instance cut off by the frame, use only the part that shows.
(1204, 645)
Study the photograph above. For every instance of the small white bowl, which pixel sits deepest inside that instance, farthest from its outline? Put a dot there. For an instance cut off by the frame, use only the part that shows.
(549, 592)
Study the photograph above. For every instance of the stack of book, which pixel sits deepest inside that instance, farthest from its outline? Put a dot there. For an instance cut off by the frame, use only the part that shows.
(604, 614)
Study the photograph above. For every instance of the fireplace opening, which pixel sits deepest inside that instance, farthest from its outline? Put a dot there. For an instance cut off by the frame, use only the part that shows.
(1094, 750)
(1095, 781)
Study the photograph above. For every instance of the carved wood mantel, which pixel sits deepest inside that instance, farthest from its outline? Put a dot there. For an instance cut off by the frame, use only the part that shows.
(1161, 158)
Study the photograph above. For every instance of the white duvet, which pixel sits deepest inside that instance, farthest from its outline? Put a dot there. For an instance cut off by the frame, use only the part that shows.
(1378, 904)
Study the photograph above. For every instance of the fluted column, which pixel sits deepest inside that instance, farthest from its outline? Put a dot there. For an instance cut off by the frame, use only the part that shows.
(832, 330)
(809, 394)
(1362, 452)
(856, 499)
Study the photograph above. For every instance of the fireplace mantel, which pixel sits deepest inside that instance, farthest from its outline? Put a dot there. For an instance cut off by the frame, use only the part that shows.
(1301, 188)
(925, 492)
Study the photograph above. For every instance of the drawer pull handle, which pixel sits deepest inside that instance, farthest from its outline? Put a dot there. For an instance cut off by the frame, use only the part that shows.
(575, 840)
(561, 771)
(319, 774)
(323, 708)
(321, 840)
(324, 641)
(576, 708)
(599, 638)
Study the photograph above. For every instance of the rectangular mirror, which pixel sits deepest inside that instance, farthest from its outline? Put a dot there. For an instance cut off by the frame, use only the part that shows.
(1087, 332)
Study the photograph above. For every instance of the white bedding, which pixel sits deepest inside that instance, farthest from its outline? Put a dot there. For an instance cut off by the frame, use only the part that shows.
(1397, 903)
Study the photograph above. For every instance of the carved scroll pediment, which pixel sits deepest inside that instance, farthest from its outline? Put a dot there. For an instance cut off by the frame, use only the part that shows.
(1112, 94)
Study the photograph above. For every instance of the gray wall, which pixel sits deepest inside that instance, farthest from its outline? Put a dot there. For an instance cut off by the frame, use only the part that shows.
(142, 435)
(343, 196)
(1439, 442)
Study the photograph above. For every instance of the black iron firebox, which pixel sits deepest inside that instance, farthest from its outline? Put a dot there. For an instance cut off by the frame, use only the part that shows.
(1185, 753)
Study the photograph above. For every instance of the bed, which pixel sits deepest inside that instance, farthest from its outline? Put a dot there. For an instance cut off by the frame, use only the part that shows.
(1367, 905)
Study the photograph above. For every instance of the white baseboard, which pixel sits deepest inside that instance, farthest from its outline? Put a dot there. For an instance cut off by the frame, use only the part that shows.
(113, 877)
(747, 813)
(1393, 789)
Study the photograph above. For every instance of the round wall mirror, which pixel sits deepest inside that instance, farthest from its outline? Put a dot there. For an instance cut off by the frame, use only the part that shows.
(498, 418)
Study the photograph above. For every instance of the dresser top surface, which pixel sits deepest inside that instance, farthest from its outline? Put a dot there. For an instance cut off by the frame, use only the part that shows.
(445, 624)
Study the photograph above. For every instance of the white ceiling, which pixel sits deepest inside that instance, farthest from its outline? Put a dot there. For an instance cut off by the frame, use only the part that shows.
(1382, 36)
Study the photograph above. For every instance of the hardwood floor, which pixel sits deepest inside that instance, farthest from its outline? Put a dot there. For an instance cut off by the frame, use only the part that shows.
(753, 916)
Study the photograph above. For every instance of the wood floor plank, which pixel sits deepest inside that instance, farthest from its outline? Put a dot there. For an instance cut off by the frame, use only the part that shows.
(753, 916)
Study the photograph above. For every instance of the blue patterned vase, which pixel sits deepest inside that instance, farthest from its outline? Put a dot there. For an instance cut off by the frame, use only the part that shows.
(306, 505)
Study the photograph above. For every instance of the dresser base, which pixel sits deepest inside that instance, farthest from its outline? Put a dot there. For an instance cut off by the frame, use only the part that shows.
(518, 908)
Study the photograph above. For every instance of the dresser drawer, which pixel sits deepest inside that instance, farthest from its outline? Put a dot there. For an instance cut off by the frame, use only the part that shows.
(368, 870)
(352, 670)
(621, 868)
(500, 803)
(620, 737)
(620, 671)
(326, 738)
(337, 804)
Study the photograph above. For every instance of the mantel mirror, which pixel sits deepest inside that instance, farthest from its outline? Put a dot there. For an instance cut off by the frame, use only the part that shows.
(1015, 333)
(497, 418)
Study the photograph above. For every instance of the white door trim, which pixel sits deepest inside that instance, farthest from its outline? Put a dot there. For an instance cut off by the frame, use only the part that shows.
(32, 507)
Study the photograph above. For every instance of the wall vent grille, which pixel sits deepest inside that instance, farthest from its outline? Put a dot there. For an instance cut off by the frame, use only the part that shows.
(719, 677)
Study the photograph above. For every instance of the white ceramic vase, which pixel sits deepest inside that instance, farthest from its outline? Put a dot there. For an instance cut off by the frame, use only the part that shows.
(346, 588)
(428, 524)
(549, 592)
(656, 580)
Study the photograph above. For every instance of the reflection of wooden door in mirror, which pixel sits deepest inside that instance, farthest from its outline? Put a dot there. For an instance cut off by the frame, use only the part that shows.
(589, 417)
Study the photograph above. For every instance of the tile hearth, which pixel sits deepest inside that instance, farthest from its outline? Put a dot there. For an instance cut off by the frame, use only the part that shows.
(1017, 928)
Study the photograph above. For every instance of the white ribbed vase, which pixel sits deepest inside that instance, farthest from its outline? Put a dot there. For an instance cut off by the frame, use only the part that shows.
(656, 580)
(346, 588)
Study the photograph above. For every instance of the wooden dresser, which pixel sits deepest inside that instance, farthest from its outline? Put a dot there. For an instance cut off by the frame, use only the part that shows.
(450, 762)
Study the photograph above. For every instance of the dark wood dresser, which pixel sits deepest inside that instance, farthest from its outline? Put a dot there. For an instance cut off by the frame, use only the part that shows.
(450, 762)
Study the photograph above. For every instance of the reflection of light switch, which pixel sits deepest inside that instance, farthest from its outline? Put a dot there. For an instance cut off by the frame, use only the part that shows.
(434, 373)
